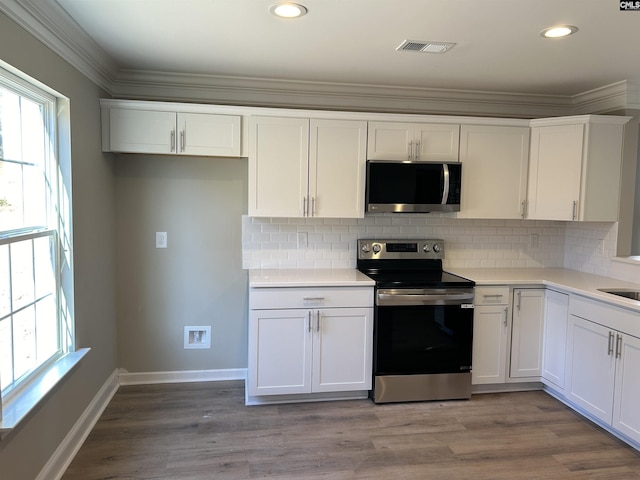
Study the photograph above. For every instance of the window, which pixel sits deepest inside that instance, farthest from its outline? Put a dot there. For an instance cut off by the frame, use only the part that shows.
(34, 324)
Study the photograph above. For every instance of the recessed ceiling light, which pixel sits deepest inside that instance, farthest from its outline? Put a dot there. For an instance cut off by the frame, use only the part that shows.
(288, 10)
(558, 31)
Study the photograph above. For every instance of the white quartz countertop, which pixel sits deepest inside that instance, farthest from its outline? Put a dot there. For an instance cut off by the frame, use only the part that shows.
(338, 277)
(570, 281)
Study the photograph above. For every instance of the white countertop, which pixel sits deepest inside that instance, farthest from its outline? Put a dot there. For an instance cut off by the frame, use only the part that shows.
(570, 281)
(338, 277)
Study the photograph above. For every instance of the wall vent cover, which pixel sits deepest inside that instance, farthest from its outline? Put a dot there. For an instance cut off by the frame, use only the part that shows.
(425, 47)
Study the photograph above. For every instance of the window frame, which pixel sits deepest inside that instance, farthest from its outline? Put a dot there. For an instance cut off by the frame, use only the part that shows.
(26, 391)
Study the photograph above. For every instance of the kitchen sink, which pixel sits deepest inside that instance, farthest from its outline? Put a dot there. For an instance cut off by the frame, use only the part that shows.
(623, 292)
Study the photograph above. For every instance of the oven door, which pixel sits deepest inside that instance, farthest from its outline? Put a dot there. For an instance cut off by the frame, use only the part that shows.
(423, 339)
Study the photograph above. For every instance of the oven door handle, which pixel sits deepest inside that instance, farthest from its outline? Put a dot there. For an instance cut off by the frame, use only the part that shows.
(424, 298)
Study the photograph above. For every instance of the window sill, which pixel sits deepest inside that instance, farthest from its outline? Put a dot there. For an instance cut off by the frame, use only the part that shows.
(633, 260)
(19, 406)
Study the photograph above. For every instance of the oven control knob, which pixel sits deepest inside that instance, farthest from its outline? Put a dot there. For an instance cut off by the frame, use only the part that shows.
(365, 248)
(426, 248)
(376, 248)
(437, 247)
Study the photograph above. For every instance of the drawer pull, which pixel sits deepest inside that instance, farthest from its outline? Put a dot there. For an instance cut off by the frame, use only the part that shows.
(492, 295)
(313, 299)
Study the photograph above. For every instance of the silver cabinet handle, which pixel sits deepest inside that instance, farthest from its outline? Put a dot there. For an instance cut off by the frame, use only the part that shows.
(182, 140)
(417, 154)
(506, 316)
(317, 320)
(173, 140)
(519, 293)
(410, 149)
(313, 206)
(304, 206)
(574, 211)
(618, 345)
(492, 295)
(610, 347)
(522, 208)
(309, 321)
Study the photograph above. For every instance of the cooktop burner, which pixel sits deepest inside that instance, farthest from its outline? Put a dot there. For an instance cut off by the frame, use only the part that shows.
(406, 264)
(409, 279)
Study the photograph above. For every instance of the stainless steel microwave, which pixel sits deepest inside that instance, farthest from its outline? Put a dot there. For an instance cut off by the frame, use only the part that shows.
(413, 187)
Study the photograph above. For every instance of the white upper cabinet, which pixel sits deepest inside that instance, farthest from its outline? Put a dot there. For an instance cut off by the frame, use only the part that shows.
(207, 134)
(413, 141)
(575, 167)
(302, 167)
(160, 128)
(494, 171)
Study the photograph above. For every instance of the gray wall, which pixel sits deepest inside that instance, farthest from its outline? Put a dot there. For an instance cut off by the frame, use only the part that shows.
(198, 279)
(25, 451)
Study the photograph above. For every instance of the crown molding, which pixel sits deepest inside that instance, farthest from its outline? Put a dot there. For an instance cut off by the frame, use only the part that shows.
(267, 92)
(616, 96)
(50, 23)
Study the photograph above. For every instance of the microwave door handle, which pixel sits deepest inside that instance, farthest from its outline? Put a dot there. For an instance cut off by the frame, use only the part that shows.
(445, 188)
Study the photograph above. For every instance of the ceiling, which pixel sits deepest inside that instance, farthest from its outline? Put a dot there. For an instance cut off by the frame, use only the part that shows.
(498, 45)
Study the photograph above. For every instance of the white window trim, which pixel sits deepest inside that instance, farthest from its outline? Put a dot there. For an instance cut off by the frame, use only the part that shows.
(18, 403)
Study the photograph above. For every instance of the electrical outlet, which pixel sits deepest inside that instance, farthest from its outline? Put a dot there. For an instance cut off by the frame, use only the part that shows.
(161, 239)
(303, 240)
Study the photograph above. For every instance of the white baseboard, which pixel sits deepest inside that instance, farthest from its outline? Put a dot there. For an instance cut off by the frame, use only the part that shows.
(66, 451)
(144, 378)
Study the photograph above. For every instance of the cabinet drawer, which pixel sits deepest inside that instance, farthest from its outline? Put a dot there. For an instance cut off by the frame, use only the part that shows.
(491, 295)
(277, 298)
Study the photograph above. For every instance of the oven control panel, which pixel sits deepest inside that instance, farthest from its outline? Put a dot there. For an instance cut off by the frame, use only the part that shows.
(430, 249)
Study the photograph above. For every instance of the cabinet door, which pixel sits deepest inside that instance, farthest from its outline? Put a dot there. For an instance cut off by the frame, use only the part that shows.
(436, 142)
(142, 131)
(555, 338)
(337, 159)
(278, 166)
(626, 415)
(389, 141)
(208, 134)
(494, 172)
(526, 333)
(490, 326)
(279, 352)
(342, 349)
(555, 172)
(591, 365)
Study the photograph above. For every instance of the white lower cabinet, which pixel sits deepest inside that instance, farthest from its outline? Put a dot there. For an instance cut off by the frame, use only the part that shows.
(490, 333)
(555, 338)
(324, 347)
(602, 376)
(526, 333)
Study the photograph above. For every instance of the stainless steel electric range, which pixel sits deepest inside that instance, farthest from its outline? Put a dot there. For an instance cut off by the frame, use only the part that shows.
(423, 322)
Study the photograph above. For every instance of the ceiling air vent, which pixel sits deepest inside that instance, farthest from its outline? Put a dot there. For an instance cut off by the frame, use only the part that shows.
(425, 47)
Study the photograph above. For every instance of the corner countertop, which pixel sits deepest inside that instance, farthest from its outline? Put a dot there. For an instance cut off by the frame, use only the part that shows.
(330, 277)
(570, 281)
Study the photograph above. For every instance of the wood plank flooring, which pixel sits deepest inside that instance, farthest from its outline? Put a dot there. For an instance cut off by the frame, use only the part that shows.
(204, 431)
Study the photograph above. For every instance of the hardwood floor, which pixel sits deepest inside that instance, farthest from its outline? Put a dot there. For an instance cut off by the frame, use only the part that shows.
(204, 431)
